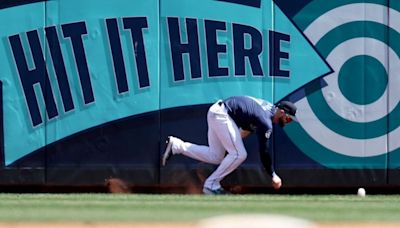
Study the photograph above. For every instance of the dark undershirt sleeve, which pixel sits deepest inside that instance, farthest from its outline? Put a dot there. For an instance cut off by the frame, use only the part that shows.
(265, 155)
(247, 129)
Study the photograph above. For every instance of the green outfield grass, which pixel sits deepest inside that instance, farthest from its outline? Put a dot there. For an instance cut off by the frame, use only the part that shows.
(187, 208)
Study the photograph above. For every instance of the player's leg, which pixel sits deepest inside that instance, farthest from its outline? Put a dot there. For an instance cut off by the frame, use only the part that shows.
(213, 154)
(199, 152)
(229, 135)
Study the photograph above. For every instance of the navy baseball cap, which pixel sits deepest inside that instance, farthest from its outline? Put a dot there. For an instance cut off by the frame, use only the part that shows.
(289, 108)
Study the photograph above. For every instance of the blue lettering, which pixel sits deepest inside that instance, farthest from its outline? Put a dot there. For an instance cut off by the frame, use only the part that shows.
(276, 54)
(117, 56)
(252, 53)
(178, 48)
(213, 48)
(31, 77)
(136, 25)
(59, 68)
(247, 45)
(74, 31)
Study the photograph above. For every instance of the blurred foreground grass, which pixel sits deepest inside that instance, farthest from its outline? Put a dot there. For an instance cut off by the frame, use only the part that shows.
(186, 208)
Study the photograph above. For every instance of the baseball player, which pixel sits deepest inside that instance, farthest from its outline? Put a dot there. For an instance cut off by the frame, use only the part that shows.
(229, 121)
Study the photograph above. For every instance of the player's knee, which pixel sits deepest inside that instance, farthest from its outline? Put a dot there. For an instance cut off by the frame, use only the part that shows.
(242, 156)
(218, 159)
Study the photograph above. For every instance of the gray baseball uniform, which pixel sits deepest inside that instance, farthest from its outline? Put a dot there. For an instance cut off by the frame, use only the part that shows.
(225, 118)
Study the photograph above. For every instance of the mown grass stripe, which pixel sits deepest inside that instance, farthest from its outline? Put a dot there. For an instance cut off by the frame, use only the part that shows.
(189, 208)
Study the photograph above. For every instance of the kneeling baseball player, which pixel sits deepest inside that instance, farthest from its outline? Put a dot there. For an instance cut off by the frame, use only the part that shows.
(229, 121)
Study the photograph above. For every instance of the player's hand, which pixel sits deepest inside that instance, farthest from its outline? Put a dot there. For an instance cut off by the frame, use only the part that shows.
(276, 181)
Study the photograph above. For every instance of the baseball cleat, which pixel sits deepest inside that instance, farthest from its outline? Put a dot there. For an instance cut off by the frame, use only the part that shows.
(219, 191)
(168, 151)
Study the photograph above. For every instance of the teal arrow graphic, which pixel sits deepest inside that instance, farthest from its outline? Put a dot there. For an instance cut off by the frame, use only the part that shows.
(102, 26)
(303, 63)
(21, 136)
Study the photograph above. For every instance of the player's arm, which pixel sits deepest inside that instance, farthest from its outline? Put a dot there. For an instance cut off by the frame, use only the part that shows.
(265, 156)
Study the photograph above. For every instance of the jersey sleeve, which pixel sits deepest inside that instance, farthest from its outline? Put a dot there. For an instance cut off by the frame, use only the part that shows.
(264, 133)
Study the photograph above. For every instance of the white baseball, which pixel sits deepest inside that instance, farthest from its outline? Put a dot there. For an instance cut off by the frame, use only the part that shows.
(361, 192)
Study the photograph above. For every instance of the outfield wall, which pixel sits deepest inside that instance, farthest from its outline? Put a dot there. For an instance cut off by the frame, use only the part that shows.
(91, 88)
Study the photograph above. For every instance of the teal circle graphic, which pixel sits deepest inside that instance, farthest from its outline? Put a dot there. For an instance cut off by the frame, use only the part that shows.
(362, 85)
(316, 99)
(362, 79)
(318, 7)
